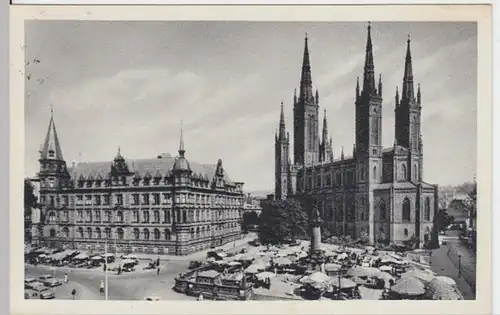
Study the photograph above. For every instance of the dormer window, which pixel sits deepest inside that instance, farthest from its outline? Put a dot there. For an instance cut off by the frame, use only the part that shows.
(89, 183)
(51, 153)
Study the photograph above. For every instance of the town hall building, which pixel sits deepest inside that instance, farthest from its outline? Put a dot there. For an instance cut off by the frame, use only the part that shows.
(376, 193)
(156, 205)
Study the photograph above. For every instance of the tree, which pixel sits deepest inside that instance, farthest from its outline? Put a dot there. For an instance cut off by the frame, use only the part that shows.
(471, 204)
(441, 220)
(30, 202)
(283, 220)
(250, 218)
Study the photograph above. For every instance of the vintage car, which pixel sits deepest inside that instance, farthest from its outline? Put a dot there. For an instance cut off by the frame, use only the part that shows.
(195, 264)
(49, 281)
(151, 298)
(28, 282)
(39, 291)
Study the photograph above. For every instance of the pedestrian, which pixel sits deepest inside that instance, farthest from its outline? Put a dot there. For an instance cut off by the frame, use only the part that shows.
(158, 271)
(101, 288)
(200, 297)
(158, 261)
(73, 293)
(66, 278)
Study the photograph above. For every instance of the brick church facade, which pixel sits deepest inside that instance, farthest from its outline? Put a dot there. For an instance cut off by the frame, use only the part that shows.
(378, 193)
(158, 205)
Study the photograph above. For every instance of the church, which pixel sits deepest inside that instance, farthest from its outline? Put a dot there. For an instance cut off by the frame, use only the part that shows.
(376, 193)
(160, 205)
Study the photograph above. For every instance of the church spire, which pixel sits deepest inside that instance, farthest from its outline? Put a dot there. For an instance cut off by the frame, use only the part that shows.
(282, 132)
(408, 92)
(306, 93)
(369, 71)
(181, 143)
(51, 148)
(380, 85)
(325, 131)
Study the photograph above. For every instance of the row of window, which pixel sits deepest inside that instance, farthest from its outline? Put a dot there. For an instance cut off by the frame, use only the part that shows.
(338, 180)
(168, 216)
(338, 214)
(140, 199)
(145, 234)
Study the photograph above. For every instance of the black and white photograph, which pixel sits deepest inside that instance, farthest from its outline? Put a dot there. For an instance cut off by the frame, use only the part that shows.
(250, 160)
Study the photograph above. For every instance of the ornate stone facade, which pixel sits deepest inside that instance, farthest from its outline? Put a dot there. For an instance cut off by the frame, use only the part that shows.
(377, 192)
(160, 205)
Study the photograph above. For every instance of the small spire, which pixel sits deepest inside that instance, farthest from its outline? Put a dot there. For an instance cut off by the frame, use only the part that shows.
(342, 153)
(51, 111)
(369, 70)
(282, 132)
(317, 96)
(181, 143)
(380, 84)
(306, 78)
(354, 150)
(397, 96)
(294, 96)
(408, 75)
(418, 94)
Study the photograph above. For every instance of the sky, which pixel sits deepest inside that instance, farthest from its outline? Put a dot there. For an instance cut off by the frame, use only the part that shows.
(129, 85)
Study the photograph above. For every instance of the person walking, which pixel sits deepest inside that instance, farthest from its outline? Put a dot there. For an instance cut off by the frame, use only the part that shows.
(158, 271)
(200, 297)
(65, 278)
(101, 289)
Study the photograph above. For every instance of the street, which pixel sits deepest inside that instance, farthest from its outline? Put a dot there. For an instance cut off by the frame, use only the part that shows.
(128, 286)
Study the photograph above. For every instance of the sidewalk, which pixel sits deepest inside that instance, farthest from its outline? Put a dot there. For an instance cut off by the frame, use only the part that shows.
(443, 266)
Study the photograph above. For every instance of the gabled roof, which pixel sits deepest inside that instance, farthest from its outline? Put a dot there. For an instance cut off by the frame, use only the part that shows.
(157, 166)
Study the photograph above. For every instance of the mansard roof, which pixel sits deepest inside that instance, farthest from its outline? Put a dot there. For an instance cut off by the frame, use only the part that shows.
(157, 166)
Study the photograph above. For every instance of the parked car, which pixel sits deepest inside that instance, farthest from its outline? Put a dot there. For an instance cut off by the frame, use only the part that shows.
(195, 264)
(39, 291)
(49, 281)
(152, 298)
(28, 282)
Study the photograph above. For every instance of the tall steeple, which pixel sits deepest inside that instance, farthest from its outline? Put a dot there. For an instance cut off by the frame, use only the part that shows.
(369, 70)
(282, 132)
(51, 148)
(306, 93)
(408, 92)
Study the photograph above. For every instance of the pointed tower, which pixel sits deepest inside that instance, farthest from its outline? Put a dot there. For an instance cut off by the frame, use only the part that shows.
(369, 121)
(282, 157)
(53, 173)
(181, 169)
(408, 118)
(306, 117)
(325, 150)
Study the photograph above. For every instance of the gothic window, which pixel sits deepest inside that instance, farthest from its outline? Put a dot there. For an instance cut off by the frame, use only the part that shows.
(89, 232)
(156, 214)
(106, 200)
(88, 216)
(97, 215)
(427, 209)
(65, 232)
(52, 233)
(52, 201)
(156, 234)
(119, 216)
(375, 172)
(98, 200)
(406, 210)
(98, 233)
(405, 232)
(167, 216)
(198, 232)
(382, 208)
(119, 233)
(184, 216)
(136, 216)
(156, 199)
(146, 234)
(167, 234)
(403, 172)
(135, 199)
(192, 233)
(137, 234)
(145, 216)
(415, 176)
(119, 199)
(145, 199)
(80, 232)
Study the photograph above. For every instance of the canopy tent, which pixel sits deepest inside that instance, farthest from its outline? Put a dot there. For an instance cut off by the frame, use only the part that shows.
(283, 261)
(234, 263)
(440, 290)
(255, 269)
(264, 275)
(385, 268)
(408, 286)
(447, 280)
(96, 258)
(343, 283)
(315, 277)
(81, 256)
(261, 262)
(332, 267)
(134, 257)
(368, 272)
(422, 275)
(108, 255)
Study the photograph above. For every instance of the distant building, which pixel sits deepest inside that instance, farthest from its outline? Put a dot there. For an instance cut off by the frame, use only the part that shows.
(155, 205)
(458, 209)
(32, 218)
(378, 193)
